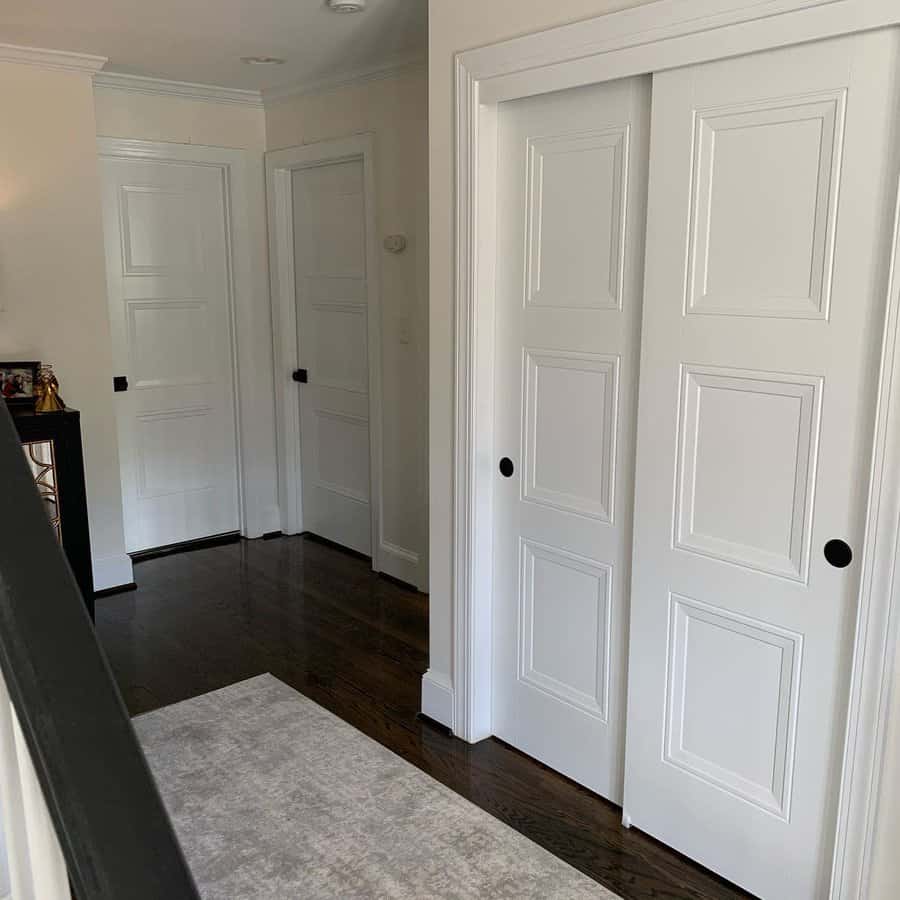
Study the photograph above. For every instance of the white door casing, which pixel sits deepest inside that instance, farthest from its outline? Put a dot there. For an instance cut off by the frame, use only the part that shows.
(652, 38)
(330, 280)
(281, 166)
(570, 229)
(757, 394)
(169, 287)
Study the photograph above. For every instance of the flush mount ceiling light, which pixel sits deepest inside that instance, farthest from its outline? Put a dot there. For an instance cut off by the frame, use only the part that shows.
(262, 60)
(346, 6)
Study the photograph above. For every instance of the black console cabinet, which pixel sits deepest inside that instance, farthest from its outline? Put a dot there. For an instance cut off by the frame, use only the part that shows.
(52, 443)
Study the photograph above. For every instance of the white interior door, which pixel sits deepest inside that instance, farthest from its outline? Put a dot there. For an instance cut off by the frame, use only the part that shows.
(571, 215)
(768, 224)
(333, 328)
(168, 285)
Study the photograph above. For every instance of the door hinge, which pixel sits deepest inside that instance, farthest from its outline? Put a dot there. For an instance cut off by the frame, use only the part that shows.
(120, 383)
(300, 375)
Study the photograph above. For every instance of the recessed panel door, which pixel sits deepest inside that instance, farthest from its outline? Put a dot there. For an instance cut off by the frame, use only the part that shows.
(768, 224)
(332, 324)
(168, 284)
(571, 196)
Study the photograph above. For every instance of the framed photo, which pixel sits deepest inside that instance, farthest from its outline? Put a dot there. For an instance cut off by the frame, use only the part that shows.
(17, 382)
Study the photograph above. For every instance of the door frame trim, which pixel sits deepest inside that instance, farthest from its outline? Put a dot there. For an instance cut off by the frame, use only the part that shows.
(254, 512)
(280, 166)
(654, 37)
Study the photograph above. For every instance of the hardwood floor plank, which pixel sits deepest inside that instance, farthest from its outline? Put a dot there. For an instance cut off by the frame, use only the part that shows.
(356, 643)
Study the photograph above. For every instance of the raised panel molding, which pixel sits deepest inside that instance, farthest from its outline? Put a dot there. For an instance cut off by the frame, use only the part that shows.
(349, 365)
(595, 218)
(360, 423)
(742, 261)
(591, 625)
(184, 248)
(764, 665)
(171, 467)
(179, 333)
(746, 467)
(587, 389)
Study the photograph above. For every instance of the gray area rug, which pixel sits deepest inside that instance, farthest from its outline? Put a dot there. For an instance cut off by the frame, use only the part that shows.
(272, 796)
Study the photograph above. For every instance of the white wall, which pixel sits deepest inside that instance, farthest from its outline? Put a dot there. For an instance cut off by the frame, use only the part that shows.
(150, 117)
(394, 110)
(455, 25)
(181, 120)
(53, 276)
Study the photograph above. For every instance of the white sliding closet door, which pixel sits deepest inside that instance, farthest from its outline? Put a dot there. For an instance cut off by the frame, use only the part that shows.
(571, 206)
(769, 219)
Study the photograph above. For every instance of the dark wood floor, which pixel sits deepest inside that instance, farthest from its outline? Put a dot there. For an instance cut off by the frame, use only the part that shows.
(317, 618)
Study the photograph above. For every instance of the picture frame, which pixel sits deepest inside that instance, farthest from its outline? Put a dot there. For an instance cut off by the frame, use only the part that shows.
(17, 382)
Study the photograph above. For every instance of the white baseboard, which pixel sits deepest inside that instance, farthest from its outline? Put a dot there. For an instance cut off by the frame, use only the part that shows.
(398, 562)
(437, 698)
(265, 521)
(112, 571)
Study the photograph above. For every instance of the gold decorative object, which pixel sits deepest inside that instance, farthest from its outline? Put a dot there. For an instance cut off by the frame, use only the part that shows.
(42, 461)
(46, 392)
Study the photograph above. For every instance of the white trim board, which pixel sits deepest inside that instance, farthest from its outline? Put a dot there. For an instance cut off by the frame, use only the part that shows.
(112, 571)
(653, 37)
(877, 628)
(242, 190)
(344, 79)
(401, 563)
(437, 698)
(280, 166)
(51, 59)
(141, 84)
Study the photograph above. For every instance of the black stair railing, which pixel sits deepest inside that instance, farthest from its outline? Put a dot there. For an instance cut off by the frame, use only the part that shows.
(115, 835)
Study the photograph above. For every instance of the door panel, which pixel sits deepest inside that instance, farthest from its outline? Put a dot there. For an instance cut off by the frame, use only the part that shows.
(767, 218)
(167, 275)
(572, 183)
(333, 329)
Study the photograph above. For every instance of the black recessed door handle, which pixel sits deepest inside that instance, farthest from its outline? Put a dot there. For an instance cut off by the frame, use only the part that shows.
(506, 467)
(300, 375)
(120, 383)
(838, 553)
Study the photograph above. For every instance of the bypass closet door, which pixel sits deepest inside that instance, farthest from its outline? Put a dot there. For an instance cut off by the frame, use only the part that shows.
(768, 220)
(332, 324)
(168, 284)
(572, 187)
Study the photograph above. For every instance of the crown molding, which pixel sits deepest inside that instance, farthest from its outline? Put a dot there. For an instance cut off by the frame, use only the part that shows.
(141, 84)
(51, 59)
(396, 66)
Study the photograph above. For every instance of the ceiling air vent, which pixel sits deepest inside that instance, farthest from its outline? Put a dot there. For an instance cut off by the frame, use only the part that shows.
(347, 6)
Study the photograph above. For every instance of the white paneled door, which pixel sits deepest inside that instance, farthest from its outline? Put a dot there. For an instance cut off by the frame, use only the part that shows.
(571, 199)
(768, 218)
(168, 284)
(332, 323)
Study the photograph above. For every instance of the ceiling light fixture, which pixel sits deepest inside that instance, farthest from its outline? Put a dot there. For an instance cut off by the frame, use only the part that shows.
(262, 60)
(346, 6)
